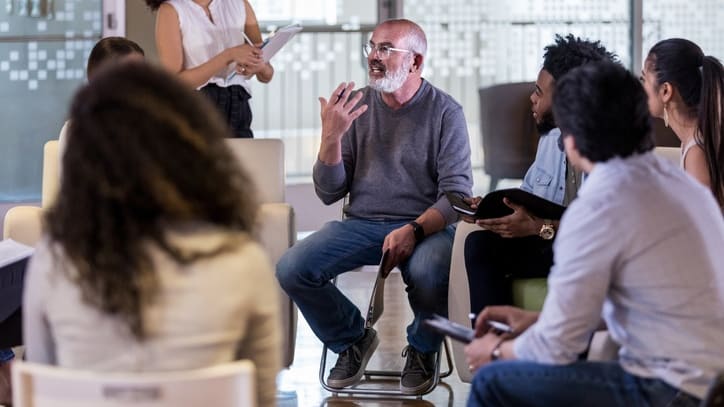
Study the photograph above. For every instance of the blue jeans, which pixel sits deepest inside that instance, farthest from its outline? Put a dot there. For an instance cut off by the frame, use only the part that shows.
(6, 355)
(521, 383)
(306, 269)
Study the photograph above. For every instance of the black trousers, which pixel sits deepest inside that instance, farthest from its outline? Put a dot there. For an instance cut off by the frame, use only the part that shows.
(492, 262)
(233, 103)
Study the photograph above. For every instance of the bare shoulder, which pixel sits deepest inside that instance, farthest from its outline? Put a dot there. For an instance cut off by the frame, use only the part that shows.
(696, 165)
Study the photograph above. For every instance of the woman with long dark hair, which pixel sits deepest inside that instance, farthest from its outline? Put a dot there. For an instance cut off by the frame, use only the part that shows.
(685, 87)
(148, 263)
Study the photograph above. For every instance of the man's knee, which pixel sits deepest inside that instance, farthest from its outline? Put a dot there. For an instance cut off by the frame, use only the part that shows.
(487, 387)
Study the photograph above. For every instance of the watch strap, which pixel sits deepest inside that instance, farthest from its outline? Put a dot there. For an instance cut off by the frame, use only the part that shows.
(418, 231)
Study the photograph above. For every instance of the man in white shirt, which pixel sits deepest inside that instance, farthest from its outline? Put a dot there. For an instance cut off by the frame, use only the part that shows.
(640, 247)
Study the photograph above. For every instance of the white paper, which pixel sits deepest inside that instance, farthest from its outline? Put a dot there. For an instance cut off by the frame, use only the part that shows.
(12, 251)
(281, 37)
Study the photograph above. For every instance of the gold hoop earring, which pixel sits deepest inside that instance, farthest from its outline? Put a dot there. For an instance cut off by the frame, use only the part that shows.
(666, 117)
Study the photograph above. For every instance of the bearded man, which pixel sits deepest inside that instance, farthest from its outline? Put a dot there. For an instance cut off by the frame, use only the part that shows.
(395, 147)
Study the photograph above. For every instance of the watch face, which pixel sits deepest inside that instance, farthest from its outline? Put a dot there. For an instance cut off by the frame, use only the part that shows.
(547, 232)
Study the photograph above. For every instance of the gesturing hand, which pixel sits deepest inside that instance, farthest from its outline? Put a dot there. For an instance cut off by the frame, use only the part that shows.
(340, 111)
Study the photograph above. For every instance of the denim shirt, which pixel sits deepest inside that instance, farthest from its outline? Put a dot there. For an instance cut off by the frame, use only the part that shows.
(547, 176)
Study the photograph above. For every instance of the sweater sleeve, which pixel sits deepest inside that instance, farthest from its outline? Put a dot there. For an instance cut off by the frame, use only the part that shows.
(453, 163)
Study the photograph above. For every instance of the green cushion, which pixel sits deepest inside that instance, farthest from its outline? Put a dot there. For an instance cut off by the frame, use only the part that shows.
(529, 293)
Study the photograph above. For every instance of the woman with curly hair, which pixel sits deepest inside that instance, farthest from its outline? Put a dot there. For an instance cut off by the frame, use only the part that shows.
(148, 263)
(214, 45)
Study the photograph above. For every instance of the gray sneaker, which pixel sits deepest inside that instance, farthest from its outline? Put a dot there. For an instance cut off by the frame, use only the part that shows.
(351, 362)
(418, 372)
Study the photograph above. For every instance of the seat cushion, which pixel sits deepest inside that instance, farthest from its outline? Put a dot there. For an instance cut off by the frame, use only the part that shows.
(529, 293)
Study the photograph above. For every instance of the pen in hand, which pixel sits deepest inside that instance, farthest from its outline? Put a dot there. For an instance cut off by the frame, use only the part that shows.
(339, 96)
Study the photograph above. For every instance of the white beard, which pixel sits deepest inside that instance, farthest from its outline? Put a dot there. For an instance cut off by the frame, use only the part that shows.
(392, 80)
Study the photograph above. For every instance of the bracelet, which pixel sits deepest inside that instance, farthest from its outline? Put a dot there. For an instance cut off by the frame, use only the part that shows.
(496, 353)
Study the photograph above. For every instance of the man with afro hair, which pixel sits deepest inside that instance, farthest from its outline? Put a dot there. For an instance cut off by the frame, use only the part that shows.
(520, 245)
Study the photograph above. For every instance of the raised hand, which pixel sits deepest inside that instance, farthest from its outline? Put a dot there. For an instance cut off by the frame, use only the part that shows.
(337, 115)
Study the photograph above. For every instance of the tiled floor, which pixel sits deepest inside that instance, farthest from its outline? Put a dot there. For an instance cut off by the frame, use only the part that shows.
(299, 386)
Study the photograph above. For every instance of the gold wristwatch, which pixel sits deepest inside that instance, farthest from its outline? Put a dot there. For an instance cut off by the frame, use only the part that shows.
(547, 231)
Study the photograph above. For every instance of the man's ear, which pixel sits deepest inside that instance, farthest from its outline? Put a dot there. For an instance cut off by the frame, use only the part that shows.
(416, 63)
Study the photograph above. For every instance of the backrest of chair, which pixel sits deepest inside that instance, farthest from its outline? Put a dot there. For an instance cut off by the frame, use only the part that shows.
(263, 159)
(51, 173)
(672, 154)
(510, 138)
(231, 384)
(23, 224)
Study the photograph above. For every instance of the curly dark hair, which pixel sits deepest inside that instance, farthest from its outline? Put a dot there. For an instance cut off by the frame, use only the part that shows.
(604, 108)
(110, 49)
(154, 4)
(145, 153)
(570, 52)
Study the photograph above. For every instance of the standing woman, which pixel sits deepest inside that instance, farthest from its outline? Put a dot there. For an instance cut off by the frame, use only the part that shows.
(686, 89)
(215, 46)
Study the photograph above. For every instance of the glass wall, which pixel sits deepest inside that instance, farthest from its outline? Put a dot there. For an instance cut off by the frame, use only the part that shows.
(697, 20)
(44, 45)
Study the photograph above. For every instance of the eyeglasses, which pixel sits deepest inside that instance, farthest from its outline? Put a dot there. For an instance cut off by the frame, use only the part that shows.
(383, 51)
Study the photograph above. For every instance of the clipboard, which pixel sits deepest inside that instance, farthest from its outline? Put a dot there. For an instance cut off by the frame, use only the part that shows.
(278, 40)
(377, 299)
(272, 44)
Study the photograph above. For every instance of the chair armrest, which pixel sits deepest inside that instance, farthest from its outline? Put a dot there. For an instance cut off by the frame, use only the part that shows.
(276, 233)
(24, 224)
(459, 294)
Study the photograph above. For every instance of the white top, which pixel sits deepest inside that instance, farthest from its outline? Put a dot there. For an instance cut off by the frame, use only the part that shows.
(212, 311)
(203, 40)
(685, 150)
(642, 247)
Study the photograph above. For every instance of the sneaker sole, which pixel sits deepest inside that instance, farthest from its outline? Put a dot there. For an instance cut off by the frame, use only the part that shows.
(416, 390)
(340, 384)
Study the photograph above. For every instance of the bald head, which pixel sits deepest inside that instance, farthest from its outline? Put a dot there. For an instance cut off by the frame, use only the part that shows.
(414, 36)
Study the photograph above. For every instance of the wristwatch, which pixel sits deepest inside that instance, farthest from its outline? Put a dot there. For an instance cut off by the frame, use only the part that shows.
(418, 231)
(547, 232)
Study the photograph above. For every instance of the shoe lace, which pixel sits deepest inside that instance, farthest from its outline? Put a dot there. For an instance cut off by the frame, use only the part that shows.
(414, 362)
(347, 358)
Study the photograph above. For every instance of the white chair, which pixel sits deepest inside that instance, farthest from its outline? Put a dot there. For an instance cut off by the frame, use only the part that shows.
(23, 223)
(263, 159)
(227, 385)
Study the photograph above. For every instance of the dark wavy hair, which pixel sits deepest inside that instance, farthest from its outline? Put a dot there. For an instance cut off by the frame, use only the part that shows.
(699, 79)
(110, 49)
(604, 108)
(154, 4)
(145, 153)
(570, 52)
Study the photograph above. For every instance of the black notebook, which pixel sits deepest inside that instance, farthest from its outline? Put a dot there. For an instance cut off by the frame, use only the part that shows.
(13, 260)
(492, 205)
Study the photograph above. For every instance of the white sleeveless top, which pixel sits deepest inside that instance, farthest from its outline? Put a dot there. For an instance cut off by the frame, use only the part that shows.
(685, 150)
(203, 40)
